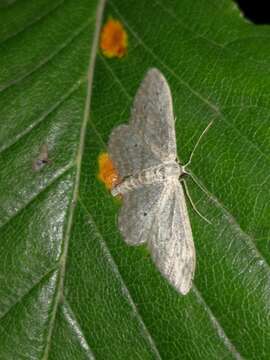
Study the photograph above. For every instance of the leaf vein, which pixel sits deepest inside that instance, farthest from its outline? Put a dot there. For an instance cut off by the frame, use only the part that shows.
(212, 106)
(232, 222)
(126, 292)
(58, 176)
(217, 326)
(33, 22)
(20, 298)
(73, 322)
(43, 117)
(63, 258)
(49, 58)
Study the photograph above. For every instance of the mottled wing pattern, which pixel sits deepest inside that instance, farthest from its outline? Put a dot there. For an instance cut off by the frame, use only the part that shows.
(138, 213)
(171, 243)
(149, 138)
(152, 115)
(128, 152)
(155, 213)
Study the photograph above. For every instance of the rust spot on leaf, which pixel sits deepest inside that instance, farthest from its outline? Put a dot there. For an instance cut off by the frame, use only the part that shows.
(107, 172)
(113, 39)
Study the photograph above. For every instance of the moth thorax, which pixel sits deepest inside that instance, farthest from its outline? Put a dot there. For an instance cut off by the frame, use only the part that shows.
(160, 173)
(148, 176)
(172, 169)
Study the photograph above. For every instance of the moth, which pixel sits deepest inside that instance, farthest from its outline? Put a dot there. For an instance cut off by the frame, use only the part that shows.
(154, 209)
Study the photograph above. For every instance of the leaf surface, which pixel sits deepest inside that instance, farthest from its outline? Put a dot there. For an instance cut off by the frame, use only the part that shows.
(70, 288)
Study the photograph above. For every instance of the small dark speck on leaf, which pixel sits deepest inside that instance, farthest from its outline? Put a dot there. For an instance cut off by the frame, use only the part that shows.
(42, 159)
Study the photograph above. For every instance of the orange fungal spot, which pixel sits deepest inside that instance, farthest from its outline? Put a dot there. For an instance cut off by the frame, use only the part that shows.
(113, 39)
(107, 172)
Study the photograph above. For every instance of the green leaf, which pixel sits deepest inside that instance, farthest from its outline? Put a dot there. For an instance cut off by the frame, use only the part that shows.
(70, 288)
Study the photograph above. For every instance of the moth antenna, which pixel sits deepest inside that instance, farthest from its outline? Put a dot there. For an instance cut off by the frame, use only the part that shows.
(192, 203)
(197, 143)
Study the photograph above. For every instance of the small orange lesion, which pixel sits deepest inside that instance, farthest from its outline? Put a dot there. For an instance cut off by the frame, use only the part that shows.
(107, 172)
(113, 39)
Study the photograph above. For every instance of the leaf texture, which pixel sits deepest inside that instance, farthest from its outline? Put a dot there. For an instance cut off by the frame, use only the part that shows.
(70, 288)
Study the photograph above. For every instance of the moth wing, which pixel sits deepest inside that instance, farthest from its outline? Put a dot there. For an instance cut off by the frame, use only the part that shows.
(149, 138)
(138, 212)
(171, 243)
(128, 152)
(152, 115)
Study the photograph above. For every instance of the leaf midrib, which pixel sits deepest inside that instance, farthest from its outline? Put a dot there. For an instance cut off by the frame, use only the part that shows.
(71, 212)
(38, 67)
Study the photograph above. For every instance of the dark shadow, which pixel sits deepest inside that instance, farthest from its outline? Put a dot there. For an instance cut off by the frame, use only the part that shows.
(257, 11)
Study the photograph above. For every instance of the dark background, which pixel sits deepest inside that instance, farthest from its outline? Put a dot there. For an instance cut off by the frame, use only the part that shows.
(256, 11)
